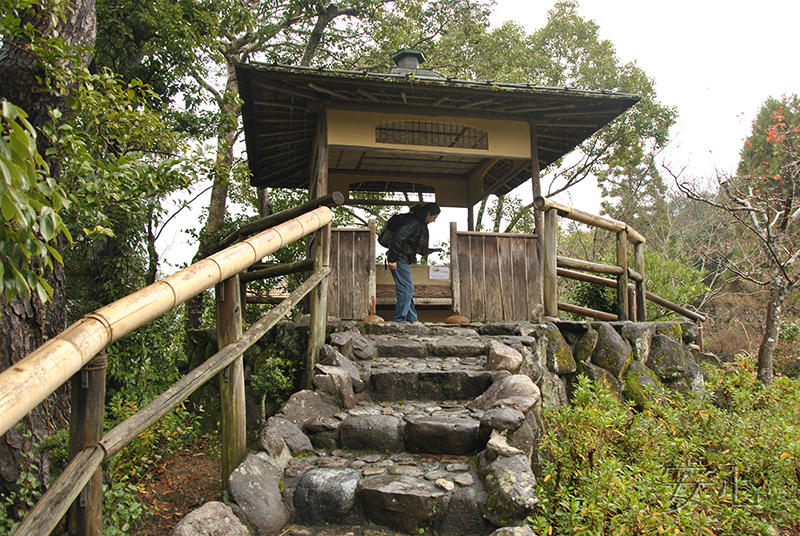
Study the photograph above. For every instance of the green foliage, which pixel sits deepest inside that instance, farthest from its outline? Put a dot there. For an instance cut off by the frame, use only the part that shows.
(675, 280)
(274, 377)
(122, 510)
(17, 504)
(30, 202)
(683, 466)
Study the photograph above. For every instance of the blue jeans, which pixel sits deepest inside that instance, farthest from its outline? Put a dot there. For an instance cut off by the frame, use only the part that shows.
(404, 311)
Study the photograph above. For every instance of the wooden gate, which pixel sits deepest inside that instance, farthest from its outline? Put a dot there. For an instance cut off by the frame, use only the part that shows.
(495, 276)
(351, 282)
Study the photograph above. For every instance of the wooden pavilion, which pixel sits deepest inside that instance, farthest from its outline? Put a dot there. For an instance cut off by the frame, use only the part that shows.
(411, 131)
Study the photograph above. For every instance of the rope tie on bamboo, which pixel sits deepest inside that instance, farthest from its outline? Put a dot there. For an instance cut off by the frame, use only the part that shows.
(98, 362)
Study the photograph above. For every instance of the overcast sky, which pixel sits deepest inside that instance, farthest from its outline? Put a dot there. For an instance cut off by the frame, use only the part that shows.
(716, 61)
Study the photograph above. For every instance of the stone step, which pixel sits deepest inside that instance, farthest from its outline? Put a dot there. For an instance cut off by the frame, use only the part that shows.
(407, 492)
(391, 379)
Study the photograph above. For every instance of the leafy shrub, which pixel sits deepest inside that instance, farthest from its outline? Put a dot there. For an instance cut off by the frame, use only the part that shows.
(274, 377)
(683, 466)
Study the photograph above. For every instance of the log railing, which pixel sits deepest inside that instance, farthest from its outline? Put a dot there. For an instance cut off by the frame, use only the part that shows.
(631, 298)
(77, 354)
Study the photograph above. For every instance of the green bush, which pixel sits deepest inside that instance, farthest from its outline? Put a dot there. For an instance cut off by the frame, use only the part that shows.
(683, 466)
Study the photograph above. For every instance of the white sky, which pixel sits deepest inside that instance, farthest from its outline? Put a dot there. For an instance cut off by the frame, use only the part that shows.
(715, 61)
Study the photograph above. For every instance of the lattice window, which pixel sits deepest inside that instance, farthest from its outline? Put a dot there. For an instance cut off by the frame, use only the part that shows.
(431, 135)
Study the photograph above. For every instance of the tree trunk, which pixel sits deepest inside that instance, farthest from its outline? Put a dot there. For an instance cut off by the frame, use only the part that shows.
(219, 191)
(766, 351)
(25, 322)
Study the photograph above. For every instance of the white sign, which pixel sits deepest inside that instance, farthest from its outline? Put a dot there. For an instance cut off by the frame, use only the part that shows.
(439, 272)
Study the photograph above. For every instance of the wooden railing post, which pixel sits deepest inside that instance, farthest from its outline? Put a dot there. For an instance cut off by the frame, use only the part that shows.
(622, 279)
(641, 290)
(88, 394)
(318, 308)
(231, 379)
(549, 264)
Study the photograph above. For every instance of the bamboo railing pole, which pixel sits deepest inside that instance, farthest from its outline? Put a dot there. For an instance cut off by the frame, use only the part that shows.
(88, 397)
(277, 270)
(587, 266)
(231, 380)
(603, 222)
(585, 311)
(622, 279)
(641, 288)
(26, 383)
(549, 264)
(371, 258)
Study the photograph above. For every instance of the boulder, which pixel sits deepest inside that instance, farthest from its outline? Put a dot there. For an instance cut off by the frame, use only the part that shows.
(612, 352)
(273, 447)
(531, 364)
(303, 406)
(523, 530)
(640, 336)
(640, 384)
(462, 513)
(604, 378)
(400, 502)
(669, 358)
(442, 435)
(501, 419)
(514, 385)
(585, 345)
(518, 403)
(254, 485)
(342, 382)
(324, 432)
(559, 358)
(380, 433)
(324, 495)
(510, 488)
(553, 390)
(291, 434)
(502, 357)
(212, 519)
(329, 356)
(670, 329)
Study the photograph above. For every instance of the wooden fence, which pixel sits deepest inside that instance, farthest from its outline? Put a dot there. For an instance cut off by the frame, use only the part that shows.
(77, 353)
(631, 298)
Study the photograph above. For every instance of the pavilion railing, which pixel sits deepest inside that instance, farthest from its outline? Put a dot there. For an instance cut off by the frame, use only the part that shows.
(78, 354)
(631, 298)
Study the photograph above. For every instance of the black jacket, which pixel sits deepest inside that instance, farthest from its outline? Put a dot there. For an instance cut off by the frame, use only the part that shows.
(410, 239)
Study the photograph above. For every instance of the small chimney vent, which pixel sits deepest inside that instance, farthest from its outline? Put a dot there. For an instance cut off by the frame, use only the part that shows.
(408, 61)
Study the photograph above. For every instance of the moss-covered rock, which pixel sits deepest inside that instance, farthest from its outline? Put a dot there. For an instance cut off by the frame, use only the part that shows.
(612, 352)
(585, 345)
(669, 358)
(669, 329)
(558, 354)
(641, 384)
(640, 336)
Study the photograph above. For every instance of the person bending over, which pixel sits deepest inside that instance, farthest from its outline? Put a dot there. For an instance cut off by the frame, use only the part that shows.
(410, 239)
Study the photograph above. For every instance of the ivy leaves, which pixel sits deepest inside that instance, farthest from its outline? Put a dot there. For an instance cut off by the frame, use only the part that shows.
(30, 202)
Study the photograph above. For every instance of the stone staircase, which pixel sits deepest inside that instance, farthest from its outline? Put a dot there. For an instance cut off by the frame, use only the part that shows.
(425, 428)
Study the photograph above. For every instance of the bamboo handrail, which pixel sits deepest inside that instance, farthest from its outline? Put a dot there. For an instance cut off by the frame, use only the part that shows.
(54, 503)
(331, 200)
(27, 383)
(603, 222)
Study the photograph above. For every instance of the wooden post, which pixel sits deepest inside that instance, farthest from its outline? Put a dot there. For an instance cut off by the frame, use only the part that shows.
(455, 281)
(88, 393)
(373, 235)
(231, 380)
(699, 340)
(622, 279)
(320, 253)
(632, 303)
(538, 216)
(549, 264)
(641, 290)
